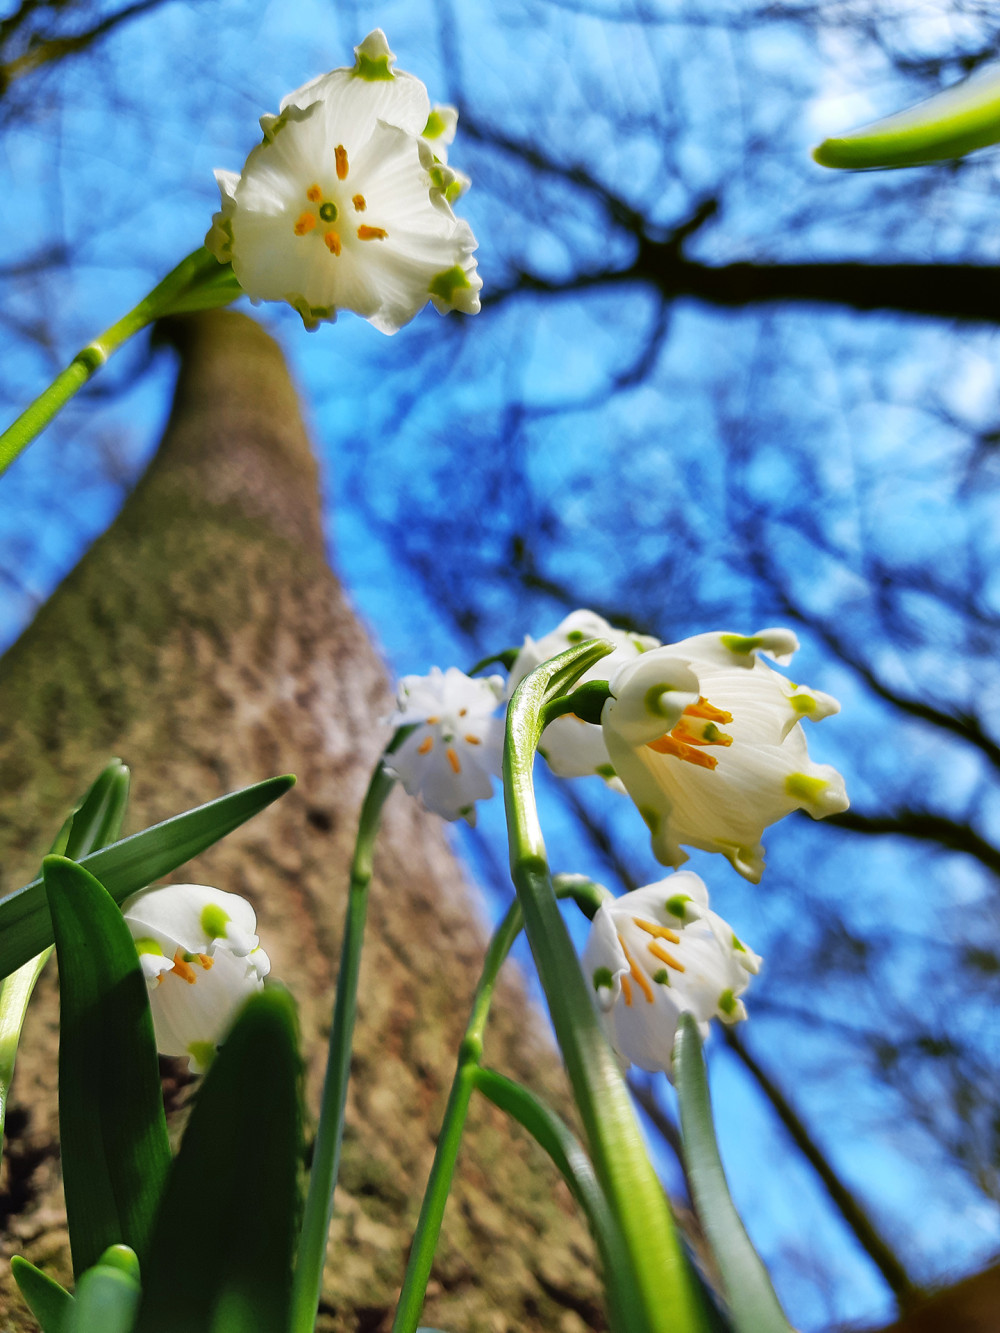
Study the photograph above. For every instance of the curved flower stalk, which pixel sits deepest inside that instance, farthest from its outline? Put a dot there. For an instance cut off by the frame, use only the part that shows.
(201, 959)
(456, 746)
(707, 739)
(660, 952)
(574, 748)
(347, 202)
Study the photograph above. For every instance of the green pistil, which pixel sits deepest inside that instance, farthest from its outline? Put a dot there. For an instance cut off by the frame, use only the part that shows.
(446, 283)
(662, 977)
(328, 212)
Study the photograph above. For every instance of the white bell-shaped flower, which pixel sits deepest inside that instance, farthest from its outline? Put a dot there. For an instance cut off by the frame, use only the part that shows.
(347, 202)
(456, 747)
(657, 953)
(574, 748)
(707, 739)
(201, 958)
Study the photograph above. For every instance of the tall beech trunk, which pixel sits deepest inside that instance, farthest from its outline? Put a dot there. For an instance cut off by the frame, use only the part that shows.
(205, 640)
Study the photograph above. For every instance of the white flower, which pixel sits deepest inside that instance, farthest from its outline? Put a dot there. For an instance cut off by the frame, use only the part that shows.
(347, 202)
(201, 959)
(657, 953)
(574, 748)
(457, 744)
(708, 741)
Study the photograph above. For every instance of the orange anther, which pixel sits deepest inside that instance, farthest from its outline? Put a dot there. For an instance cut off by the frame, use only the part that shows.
(206, 962)
(667, 745)
(658, 951)
(637, 974)
(305, 224)
(372, 233)
(183, 968)
(658, 932)
(704, 709)
(627, 991)
(456, 767)
(472, 740)
(433, 721)
(360, 203)
(314, 194)
(340, 153)
(332, 241)
(425, 745)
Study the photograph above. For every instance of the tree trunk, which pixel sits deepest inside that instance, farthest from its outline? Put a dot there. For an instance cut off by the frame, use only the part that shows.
(205, 640)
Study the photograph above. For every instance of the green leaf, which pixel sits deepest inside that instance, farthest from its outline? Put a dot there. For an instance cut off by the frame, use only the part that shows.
(126, 867)
(954, 122)
(45, 1298)
(221, 1257)
(107, 1298)
(113, 1133)
(95, 822)
(753, 1306)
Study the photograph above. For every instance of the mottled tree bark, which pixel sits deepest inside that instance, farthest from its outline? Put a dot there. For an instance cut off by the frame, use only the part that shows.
(205, 640)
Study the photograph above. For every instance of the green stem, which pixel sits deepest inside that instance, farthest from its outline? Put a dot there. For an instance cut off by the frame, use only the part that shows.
(660, 1275)
(330, 1130)
(198, 282)
(470, 1053)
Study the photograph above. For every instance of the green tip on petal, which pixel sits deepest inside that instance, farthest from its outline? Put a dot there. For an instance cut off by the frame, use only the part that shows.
(738, 944)
(148, 945)
(740, 644)
(727, 1002)
(803, 703)
(435, 126)
(677, 905)
(446, 283)
(202, 1052)
(650, 817)
(214, 921)
(603, 977)
(605, 771)
(803, 787)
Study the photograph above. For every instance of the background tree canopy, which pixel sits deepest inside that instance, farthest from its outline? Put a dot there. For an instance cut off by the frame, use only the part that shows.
(712, 386)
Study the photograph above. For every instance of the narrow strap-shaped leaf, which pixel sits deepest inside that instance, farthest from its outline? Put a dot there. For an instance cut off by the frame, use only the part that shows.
(953, 122)
(129, 865)
(221, 1257)
(45, 1298)
(106, 1301)
(753, 1306)
(113, 1133)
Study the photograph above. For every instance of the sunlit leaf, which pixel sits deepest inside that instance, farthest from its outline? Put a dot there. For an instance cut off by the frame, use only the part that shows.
(45, 1298)
(129, 865)
(113, 1133)
(953, 122)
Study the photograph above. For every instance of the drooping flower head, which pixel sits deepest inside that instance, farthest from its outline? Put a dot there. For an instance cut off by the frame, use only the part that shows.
(347, 202)
(657, 953)
(450, 758)
(201, 959)
(708, 741)
(574, 748)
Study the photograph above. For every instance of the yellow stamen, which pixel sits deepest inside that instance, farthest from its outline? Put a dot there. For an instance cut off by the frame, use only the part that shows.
(372, 233)
(472, 740)
(426, 745)
(667, 745)
(456, 767)
(206, 962)
(183, 968)
(314, 194)
(691, 734)
(658, 951)
(433, 721)
(658, 932)
(637, 974)
(627, 991)
(462, 712)
(332, 241)
(340, 153)
(305, 224)
(360, 203)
